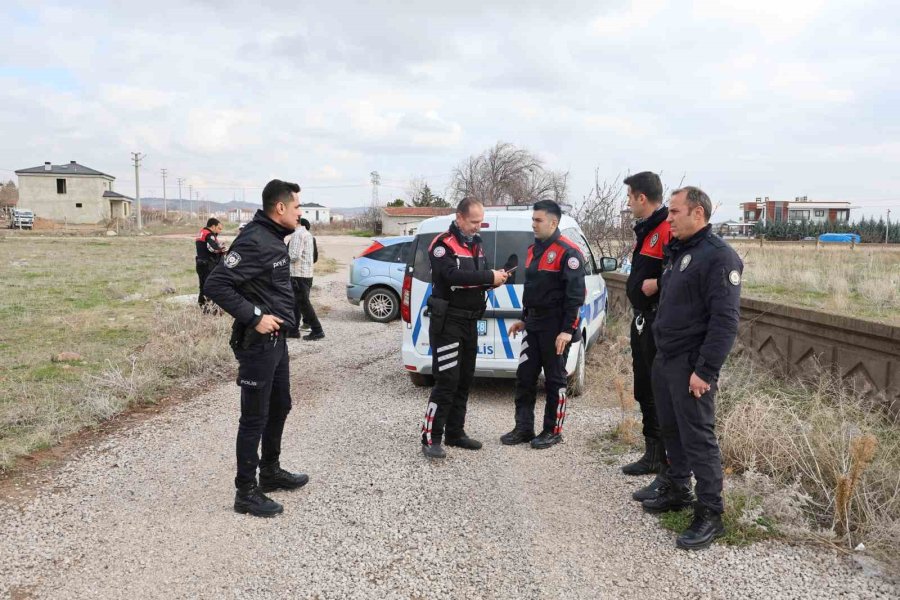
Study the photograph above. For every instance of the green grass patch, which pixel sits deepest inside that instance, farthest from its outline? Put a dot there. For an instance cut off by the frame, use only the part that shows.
(363, 233)
(742, 528)
(609, 447)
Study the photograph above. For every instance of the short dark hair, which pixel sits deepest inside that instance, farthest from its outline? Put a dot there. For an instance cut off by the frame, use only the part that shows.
(697, 197)
(465, 204)
(305, 223)
(212, 222)
(646, 183)
(550, 207)
(277, 191)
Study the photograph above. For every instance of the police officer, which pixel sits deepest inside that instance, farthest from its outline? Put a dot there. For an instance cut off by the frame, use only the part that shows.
(695, 328)
(253, 285)
(460, 277)
(651, 232)
(552, 300)
(209, 251)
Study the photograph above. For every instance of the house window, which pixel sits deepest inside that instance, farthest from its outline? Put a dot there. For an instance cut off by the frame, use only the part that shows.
(798, 215)
(820, 213)
(78, 205)
(60, 186)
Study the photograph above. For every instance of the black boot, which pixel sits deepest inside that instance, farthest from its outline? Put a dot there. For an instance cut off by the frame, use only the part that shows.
(516, 437)
(653, 490)
(272, 478)
(249, 499)
(434, 450)
(463, 441)
(545, 440)
(706, 527)
(649, 462)
(671, 496)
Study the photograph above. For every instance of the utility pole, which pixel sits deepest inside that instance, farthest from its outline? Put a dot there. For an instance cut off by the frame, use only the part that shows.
(165, 209)
(137, 157)
(191, 200)
(887, 230)
(180, 198)
(375, 178)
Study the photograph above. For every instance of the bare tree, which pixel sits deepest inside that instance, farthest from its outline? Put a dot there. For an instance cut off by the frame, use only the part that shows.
(9, 194)
(506, 175)
(604, 217)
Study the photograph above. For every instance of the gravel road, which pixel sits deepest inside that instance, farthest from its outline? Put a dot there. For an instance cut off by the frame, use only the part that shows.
(146, 512)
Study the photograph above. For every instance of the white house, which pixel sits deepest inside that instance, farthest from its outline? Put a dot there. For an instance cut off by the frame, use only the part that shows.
(316, 213)
(71, 193)
(240, 215)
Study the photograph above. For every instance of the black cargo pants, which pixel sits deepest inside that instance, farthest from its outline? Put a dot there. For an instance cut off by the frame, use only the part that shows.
(539, 353)
(204, 268)
(454, 347)
(643, 351)
(264, 378)
(688, 426)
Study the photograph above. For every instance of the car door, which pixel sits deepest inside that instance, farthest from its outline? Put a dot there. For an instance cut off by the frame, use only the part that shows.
(398, 266)
(595, 287)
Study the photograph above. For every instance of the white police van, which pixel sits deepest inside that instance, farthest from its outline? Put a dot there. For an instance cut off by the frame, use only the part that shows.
(505, 232)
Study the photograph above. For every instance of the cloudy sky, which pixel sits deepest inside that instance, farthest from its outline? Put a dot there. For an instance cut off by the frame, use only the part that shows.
(764, 98)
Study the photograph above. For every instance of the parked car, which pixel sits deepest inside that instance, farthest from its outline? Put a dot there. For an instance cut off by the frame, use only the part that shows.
(505, 232)
(21, 218)
(376, 277)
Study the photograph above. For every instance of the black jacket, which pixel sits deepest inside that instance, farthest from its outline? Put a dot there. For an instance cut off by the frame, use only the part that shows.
(459, 271)
(255, 278)
(699, 305)
(651, 236)
(208, 248)
(554, 285)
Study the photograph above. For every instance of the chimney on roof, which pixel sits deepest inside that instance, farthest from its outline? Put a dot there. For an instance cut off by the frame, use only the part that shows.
(47, 166)
(767, 198)
(71, 162)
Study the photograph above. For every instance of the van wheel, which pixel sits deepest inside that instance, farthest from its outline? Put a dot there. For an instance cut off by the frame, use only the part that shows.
(381, 305)
(576, 380)
(420, 380)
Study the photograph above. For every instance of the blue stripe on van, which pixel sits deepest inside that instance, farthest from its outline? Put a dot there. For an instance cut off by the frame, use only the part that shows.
(418, 326)
(512, 295)
(501, 325)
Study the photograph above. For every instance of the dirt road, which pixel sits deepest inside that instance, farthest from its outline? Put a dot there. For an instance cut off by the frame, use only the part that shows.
(146, 512)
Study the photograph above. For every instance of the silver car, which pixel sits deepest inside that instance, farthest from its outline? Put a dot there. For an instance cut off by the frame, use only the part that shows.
(376, 277)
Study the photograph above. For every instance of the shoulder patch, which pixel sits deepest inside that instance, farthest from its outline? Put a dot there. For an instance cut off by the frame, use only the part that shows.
(654, 239)
(573, 263)
(232, 259)
(734, 278)
(439, 251)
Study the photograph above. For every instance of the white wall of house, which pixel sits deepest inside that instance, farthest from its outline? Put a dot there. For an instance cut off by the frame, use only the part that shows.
(400, 225)
(316, 214)
(82, 202)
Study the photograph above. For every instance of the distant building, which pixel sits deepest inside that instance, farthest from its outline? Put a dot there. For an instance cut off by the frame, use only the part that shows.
(797, 210)
(240, 215)
(71, 193)
(316, 213)
(404, 220)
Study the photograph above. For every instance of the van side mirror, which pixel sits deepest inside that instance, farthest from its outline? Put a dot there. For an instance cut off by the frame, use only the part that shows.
(608, 264)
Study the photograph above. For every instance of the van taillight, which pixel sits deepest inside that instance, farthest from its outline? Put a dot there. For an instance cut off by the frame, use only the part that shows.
(375, 246)
(406, 298)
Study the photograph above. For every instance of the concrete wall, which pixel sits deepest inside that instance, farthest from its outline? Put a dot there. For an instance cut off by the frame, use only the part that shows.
(399, 225)
(38, 192)
(863, 353)
(316, 215)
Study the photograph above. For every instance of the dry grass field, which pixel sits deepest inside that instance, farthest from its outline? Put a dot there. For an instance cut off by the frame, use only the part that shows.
(861, 282)
(104, 299)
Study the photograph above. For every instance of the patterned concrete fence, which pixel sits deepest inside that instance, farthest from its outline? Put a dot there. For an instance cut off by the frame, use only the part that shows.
(864, 353)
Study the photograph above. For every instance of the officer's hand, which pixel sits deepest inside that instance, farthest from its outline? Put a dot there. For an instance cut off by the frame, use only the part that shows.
(500, 277)
(268, 324)
(698, 387)
(562, 340)
(516, 328)
(650, 287)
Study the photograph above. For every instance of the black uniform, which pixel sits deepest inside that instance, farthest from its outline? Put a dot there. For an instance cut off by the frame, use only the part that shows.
(460, 276)
(209, 251)
(651, 236)
(695, 328)
(253, 280)
(552, 300)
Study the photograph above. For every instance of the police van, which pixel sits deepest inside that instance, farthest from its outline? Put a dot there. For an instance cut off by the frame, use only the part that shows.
(506, 233)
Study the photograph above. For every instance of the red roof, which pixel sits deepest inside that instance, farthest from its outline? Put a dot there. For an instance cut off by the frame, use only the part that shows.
(417, 211)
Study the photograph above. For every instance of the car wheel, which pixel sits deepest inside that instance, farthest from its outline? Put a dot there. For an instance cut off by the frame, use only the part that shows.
(420, 380)
(576, 380)
(381, 305)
